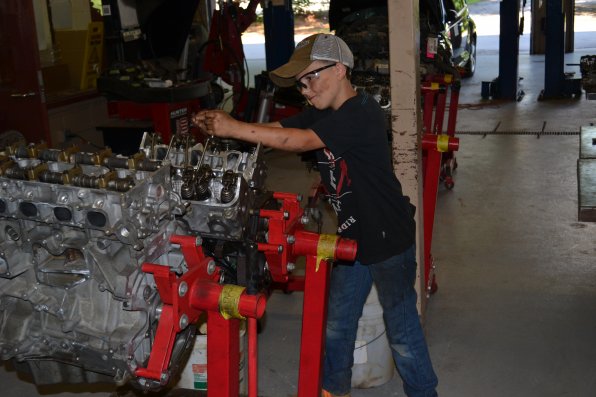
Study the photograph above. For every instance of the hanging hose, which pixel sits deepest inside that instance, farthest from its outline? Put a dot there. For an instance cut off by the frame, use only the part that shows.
(516, 132)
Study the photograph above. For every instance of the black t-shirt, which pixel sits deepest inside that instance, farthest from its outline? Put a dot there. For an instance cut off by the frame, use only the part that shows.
(356, 169)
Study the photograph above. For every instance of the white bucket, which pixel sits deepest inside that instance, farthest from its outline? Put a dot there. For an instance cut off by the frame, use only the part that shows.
(373, 363)
(194, 374)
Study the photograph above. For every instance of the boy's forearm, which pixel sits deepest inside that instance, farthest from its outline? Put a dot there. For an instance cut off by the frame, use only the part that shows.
(273, 135)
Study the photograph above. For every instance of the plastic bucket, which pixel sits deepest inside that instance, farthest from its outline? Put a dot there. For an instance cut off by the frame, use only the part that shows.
(373, 362)
(194, 374)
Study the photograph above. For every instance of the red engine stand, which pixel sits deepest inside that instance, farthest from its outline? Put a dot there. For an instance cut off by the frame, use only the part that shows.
(286, 241)
(185, 297)
(435, 145)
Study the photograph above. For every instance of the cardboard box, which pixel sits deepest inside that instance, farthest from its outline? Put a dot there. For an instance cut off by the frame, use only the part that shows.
(72, 53)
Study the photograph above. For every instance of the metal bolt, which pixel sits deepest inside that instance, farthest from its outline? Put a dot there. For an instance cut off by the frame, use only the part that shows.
(299, 198)
(211, 267)
(198, 241)
(280, 249)
(12, 233)
(182, 289)
(99, 204)
(29, 195)
(291, 266)
(286, 215)
(304, 219)
(183, 321)
(147, 292)
(291, 239)
(158, 311)
(164, 377)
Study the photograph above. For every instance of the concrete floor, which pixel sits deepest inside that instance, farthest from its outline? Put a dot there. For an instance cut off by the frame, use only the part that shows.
(515, 312)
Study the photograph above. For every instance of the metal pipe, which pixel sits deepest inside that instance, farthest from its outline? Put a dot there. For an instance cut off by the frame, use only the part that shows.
(231, 301)
(518, 132)
(252, 358)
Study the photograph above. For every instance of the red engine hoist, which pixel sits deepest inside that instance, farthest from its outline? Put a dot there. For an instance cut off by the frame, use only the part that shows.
(438, 159)
(185, 297)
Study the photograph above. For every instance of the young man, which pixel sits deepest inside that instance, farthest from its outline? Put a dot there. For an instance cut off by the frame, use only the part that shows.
(349, 133)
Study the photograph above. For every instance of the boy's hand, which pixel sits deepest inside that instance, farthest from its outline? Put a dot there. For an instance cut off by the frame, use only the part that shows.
(214, 122)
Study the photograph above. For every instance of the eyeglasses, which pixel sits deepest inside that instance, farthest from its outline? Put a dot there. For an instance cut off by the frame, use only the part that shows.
(310, 76)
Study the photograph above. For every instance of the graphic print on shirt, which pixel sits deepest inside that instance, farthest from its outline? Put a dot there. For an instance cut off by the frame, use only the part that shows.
(340, 183)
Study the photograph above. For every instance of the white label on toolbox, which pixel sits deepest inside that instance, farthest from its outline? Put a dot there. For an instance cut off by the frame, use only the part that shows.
(431, 46)
(106, 10)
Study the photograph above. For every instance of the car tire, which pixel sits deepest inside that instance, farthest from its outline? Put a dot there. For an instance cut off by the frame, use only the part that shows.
(470, 67)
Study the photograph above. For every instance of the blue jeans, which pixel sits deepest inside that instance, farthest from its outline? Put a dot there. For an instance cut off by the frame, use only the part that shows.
(350, 285)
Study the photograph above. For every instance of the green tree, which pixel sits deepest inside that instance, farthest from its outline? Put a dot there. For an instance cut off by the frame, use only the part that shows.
(301, 7)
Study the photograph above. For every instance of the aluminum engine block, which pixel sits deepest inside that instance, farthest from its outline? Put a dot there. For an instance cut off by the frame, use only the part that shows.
(75, 228)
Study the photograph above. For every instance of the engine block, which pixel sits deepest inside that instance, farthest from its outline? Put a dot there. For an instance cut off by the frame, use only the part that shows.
(75, 229)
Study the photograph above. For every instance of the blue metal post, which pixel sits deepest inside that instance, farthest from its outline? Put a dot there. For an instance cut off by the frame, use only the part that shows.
(554, 58)
(507, 85)
(278, 18)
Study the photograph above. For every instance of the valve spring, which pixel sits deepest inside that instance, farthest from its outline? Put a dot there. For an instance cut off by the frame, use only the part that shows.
(187, 191)
(203, 177)
(16, 173)
(121, 184)
(51, 177)
(227, 194)
(228, 191)
(202, 189)
(86, 181)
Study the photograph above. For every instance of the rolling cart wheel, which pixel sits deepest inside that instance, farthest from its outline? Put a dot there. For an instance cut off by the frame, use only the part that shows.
(434, 286)
(449, 183)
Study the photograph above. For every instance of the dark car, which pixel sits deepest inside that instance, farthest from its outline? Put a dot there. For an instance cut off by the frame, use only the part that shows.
(447, 31)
